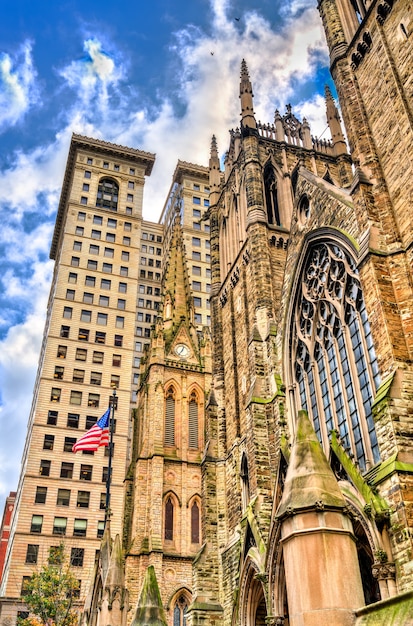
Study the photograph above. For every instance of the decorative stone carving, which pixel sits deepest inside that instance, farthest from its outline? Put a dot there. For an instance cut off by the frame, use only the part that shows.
(383, 571)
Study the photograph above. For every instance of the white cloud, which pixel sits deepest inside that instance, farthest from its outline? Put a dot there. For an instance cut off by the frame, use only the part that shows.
(18, 88)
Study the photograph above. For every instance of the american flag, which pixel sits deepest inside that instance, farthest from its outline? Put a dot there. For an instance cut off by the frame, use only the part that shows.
(96, 436)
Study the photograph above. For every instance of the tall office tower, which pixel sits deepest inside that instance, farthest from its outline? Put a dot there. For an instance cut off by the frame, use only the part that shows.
(189, 195)
(90, 347)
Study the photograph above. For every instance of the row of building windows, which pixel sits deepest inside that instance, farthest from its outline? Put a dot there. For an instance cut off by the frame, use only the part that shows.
(64, 496)
(150, 262)
(101, 318)
(151, 249)
(196, 242)
(198, 302)
(148, 289)
(197, 286)
(90, 281)
(66, 471)
(97, 219)
(88, 298)
(170, 521)
(78, 376)
(197, 226)
(197, 200)
(97, 234)
(73, 420)
(151, 237)
(145, 317)
(197, 187)
(76, 396)
(196, 256)
(149, 275)
(106, 164)
(81, 355)
(84, 334)
(95, 249)
(197, 271)
(107, 268)
(60, 528)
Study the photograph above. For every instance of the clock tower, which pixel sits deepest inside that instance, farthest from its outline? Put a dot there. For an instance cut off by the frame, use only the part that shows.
(162, 532)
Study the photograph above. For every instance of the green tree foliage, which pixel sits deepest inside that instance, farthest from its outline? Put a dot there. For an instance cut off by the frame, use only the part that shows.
(50, 592)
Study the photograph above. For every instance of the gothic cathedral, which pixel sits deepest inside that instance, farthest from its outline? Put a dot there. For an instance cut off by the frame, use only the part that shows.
(272, 473)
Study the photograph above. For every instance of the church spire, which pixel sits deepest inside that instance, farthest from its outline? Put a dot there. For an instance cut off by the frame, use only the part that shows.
(246, 95)
(333, 121)
(177, 302)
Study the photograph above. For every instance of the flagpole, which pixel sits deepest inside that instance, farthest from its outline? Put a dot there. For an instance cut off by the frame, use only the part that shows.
(113, 402)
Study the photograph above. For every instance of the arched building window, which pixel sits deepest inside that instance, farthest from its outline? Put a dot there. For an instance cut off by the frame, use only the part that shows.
(180, 609)
(193, 420)
(169, 520)
(169, 438)
(195, 519)
(108, 193)
(271, 197)
(333, 356)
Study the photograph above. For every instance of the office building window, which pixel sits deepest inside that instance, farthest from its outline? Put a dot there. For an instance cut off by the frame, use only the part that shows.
(109, 253)
(105, 283)
(76, 557)
(118, 340)
(125, 256)
(97, 357)
(80, 528)
(198, 318)
(83, 499)
(100, 337)
(52, 418)
(70, 294)
(114, 381)
(103, 300)
(73, 420)
(83, 200)
(196, 242)
(112, 223)
(107, 268)
(122, 287)
(67, 312)
(85, 187)
(196, 285)
(93, 249)
(81, 354)
(41, 494)
(120, 321)
(58, 372)
(85, 472)
(93, 400)
(116, 360)
(88, 297)
(196, 200)
(32, 553)
(90, 281)
(77, 246)
(88, 174)
(72, 277)
(83, 334)
(92, 265)
(121, 303)
(48, 442)
(96, 234)
(98, 219)
(76, 397)
(102, 319)
(105, 474)
(78, 375)
(59, 526)
(101, 529)
(36, 524)
(63, 497)
(81, 216)
(95, 378)
(66, 470)
(68, 444)
(55, 394)
(74, 262)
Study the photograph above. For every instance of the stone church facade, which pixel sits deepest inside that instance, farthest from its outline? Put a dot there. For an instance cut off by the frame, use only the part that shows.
(287, 430)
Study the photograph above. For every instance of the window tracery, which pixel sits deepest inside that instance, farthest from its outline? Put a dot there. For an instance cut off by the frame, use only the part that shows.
(169, 520)
(180, 610)
(334, 361)
(193, 420)
(169, 437)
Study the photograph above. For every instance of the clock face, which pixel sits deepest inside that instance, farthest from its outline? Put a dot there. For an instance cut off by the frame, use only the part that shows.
(182, 350)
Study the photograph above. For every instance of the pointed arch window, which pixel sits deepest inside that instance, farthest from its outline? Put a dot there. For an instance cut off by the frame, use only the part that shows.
(170, 417)
(169, 520)
(195, 519)
(193, 420)
(271, 196)
(108, 193)
(334, 362)
(180, 610)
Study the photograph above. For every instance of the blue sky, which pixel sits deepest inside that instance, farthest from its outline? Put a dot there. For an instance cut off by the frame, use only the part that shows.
(141, 74)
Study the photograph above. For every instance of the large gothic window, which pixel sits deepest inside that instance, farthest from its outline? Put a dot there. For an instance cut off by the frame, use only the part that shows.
(271, 197)
(169, 439)
(193, 420)
(108, 192)
(333, 356)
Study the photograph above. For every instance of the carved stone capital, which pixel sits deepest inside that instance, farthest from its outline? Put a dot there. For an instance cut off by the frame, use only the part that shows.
(382, 571)
(274, 620)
